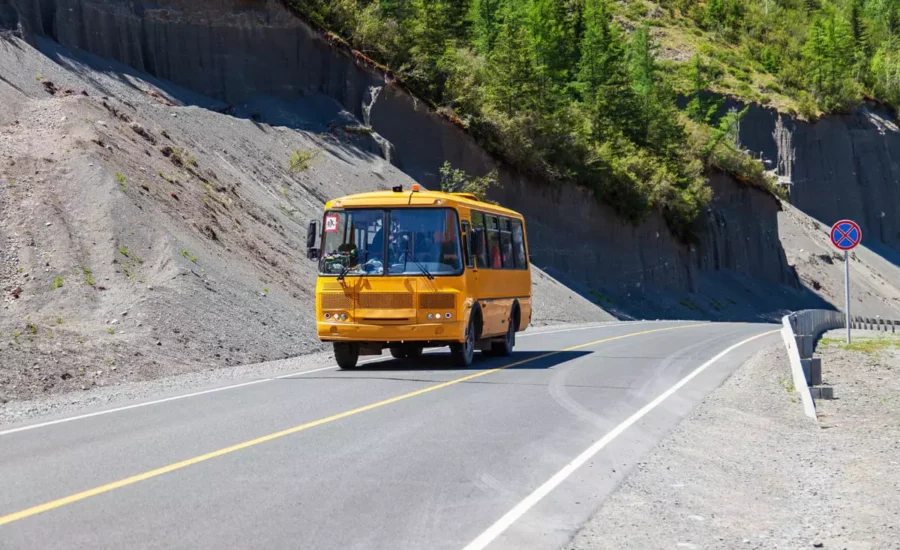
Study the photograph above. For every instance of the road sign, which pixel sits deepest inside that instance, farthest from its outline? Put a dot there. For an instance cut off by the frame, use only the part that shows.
(846, 235)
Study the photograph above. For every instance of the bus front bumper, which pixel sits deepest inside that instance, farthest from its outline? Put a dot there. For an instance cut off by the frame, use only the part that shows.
(352, 332)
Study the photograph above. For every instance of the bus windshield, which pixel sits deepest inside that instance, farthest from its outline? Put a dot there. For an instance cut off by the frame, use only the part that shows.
(355, 242)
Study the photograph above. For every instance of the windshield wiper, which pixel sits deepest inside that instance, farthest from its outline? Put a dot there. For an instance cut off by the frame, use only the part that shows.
(349, 267)
(344, 272)
(406, 254)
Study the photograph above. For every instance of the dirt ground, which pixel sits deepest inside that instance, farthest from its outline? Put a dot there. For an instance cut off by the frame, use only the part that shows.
(749, 470)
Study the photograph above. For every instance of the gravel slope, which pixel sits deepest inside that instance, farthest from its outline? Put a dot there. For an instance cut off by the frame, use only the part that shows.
(140, 237)
(748, 470)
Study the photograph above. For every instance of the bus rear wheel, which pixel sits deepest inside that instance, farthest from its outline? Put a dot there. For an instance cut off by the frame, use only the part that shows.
(346, 355)
(464, 352)
(504, 348)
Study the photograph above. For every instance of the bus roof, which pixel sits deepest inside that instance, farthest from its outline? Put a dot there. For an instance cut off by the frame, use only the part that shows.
(410, 198)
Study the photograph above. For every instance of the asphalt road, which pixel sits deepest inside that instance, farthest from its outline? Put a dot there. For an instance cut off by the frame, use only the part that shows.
(510, 453)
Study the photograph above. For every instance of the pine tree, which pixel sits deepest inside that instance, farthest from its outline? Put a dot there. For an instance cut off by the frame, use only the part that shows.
(642, 61)
(602, 78)
(430, 30)
(700, 109)
(858, 31)
(553, 32)
(828, 54)
(512, 64)
(486, 18)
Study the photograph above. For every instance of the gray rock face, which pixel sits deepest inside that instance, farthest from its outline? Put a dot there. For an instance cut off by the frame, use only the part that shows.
(839, 167)
(240, 51)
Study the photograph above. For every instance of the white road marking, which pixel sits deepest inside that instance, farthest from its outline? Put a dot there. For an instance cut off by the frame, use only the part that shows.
(240, 385)
(519, 510)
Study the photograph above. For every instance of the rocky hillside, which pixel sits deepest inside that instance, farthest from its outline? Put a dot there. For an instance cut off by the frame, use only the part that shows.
(151, 223)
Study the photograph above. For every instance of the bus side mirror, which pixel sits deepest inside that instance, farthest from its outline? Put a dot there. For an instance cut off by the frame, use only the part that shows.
(312, 253)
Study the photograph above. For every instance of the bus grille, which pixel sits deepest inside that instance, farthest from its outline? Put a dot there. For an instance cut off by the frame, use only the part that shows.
(337, 301)
(385, 300)
(436, 301)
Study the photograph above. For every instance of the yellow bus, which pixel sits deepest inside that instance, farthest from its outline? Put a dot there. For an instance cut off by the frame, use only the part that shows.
(410, 269)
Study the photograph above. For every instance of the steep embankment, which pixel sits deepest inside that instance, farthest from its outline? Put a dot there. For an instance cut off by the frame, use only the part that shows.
(838, 167)
(247, 53)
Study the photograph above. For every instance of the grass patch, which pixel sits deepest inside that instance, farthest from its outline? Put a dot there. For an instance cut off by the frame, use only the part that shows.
(58, 282)
(787, 383)
(868, 346)
(88, 276)
(166, 177)
(111, 330)
(122, 181)
(182, 157)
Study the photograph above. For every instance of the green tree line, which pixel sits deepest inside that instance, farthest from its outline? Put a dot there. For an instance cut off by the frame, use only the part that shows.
(560, 89)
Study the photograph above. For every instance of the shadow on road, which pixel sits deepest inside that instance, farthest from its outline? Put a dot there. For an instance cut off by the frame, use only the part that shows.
(443, 361)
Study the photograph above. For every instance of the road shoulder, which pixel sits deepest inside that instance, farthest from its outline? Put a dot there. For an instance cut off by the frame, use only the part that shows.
(748, 470)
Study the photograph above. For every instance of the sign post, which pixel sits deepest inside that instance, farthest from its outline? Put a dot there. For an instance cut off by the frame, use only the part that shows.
(846, 235)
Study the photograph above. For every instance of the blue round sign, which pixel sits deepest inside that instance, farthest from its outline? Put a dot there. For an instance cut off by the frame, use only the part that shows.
(846, 235)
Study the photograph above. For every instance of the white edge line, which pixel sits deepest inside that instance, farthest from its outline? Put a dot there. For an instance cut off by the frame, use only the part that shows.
(502, 524)
(241, 385)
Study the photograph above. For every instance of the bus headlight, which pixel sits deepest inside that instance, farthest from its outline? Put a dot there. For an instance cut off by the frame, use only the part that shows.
(343, 316)
(431, 315)
(328, 316)
(448, 315)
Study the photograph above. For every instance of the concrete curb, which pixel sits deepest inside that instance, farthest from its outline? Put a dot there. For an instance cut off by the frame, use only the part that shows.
(790, 342)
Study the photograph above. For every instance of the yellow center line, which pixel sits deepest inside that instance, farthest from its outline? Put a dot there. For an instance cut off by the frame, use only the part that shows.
(28, 512)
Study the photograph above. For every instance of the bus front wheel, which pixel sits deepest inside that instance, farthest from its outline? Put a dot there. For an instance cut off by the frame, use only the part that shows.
(346, 354)
(464, 352)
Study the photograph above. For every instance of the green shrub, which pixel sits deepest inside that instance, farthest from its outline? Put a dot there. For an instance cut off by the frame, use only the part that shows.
(300, 160)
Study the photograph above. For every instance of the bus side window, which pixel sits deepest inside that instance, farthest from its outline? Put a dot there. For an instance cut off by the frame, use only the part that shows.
(478, 240)
(468, 250)
(506, 246)
(519, 244)
(493, 241)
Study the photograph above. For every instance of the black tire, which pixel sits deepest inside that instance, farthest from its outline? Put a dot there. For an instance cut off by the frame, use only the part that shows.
(464, 352)
(346, 355)
(505, 347)
(398, 353)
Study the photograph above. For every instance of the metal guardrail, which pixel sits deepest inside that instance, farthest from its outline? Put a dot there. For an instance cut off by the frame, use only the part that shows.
(809, 324)
(800, 332)
(884, 325)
